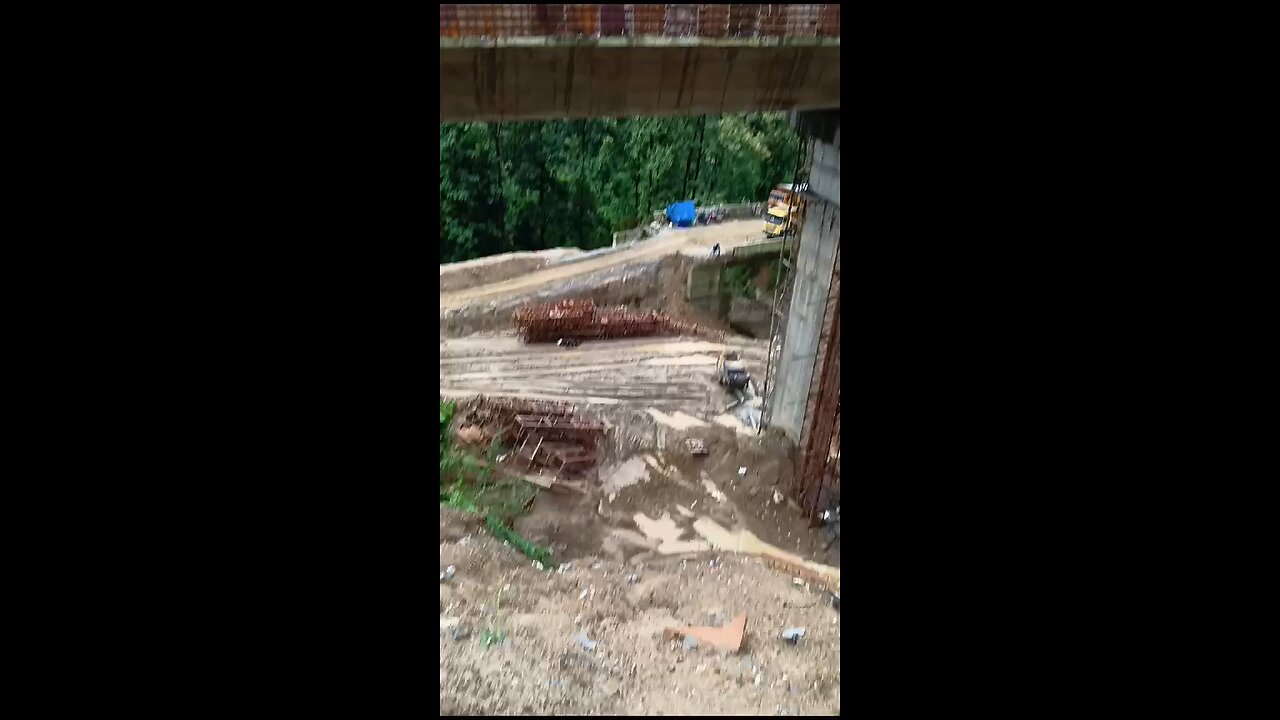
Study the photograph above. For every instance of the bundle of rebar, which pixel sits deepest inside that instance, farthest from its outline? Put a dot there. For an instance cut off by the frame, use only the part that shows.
(582, 320)
(600, 20)
(549, 435)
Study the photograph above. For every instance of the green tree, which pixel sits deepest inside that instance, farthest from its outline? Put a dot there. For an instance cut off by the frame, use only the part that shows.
(537, 185)
(471, 202)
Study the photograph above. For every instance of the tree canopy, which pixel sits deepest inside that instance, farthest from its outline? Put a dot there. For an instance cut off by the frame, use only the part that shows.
(535, 185)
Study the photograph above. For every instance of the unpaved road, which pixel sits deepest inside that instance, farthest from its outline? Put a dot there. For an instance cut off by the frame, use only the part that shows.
(665, 373)
(669, 242)
(459, 276)
(531, 663)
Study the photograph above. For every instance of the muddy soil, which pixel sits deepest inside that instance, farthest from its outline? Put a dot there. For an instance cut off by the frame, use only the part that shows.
(507, 638)
(741, 484)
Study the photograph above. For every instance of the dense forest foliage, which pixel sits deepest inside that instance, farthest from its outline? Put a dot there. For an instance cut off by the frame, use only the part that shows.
(536, 185)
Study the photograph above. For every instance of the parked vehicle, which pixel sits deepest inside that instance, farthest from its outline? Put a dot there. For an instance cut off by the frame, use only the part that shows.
(776, 222)
(731, 372)
(785, 212)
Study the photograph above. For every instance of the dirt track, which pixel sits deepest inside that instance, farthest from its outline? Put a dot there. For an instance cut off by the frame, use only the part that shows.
(728, 235)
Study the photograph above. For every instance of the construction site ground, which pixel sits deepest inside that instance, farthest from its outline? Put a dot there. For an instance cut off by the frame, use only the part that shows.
(589, 640)
(668, 374)
(654, 535)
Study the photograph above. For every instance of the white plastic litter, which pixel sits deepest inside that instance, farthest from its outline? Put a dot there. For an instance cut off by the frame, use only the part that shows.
(586, 642)
(792, 635)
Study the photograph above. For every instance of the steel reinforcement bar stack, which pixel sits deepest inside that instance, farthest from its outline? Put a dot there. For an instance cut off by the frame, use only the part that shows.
(582, 320)
(638, 21)
(551, 436)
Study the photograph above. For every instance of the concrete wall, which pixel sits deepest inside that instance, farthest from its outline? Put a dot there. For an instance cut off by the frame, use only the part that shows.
(628, 236)
(703, 289)
(750, 315)
(740, 211)
(766, 250)
(553, 79)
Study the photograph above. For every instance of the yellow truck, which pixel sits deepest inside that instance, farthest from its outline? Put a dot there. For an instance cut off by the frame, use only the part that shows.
(775, 222)
(785, 211)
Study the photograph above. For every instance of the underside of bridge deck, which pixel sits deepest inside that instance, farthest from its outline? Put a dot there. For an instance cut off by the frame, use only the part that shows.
(537, 80)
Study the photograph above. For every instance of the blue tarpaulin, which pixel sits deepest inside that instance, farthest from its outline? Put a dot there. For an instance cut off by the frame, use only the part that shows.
(682, 213)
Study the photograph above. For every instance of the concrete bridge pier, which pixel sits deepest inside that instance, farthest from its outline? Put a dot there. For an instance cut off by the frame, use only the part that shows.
(804, 393)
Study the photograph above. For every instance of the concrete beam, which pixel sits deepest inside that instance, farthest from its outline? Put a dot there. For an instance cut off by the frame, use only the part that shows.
(511, 80)
(822, 125)
(647, 41)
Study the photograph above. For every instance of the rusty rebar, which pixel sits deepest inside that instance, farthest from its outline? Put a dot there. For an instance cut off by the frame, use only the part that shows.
(594, 21)
(582, 320)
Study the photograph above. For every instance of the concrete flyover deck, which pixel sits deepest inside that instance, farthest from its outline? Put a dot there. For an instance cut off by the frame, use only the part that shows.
(538, 62)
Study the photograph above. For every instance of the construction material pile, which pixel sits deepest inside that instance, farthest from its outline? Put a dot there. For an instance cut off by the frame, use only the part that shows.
(547, 434)
(582, 320)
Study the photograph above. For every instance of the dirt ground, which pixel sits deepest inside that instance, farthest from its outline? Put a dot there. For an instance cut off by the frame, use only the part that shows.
(653, 536)
(739, 485)
(472, 273)
(508, 635)
(654, 284)
(665, 373)
(623, 587)
(669, 242)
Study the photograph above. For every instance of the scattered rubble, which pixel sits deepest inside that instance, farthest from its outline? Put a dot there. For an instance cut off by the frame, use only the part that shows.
(632, 664)
(586, 643)
(728, 638)
(470, 435)
(792, 635)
